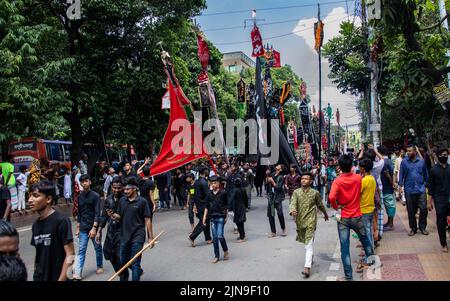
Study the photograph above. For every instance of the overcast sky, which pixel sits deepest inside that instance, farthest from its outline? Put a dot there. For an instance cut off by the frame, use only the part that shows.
(297, 44)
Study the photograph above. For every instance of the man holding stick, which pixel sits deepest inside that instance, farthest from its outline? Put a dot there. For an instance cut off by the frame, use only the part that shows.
(135, 217)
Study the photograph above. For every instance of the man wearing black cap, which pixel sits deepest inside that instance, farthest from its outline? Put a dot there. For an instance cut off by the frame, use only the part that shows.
(88, 218)
(201, 191)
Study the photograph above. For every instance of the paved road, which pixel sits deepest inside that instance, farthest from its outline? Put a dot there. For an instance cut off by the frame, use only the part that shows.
(260, 258)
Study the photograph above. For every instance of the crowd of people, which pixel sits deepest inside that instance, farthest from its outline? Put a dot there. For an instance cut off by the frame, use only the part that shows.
(361, 187)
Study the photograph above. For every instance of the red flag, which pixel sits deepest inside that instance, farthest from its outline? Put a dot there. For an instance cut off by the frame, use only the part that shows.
(203, 52)
(276, 59)
(167, 159)
(338, 117)
(257, 43)
(295, 137)
(182, 99)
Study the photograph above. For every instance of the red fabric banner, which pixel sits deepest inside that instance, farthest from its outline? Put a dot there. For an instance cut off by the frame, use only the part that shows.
(276, 59)
(295, 138)
(257, 43)
(203, 52)
(167, 159)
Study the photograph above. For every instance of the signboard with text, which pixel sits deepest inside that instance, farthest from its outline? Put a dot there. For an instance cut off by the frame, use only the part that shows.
(442, 93)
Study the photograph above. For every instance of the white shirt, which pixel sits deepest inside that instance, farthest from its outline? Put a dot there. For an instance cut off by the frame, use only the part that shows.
(376, 171)
(67, 186)
(22, 178)
(77, 179)
(83, 168)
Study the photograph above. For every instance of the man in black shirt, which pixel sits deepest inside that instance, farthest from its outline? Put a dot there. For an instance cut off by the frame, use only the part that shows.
(135, 218)
(9, 239)
(275, 200)
(12, 268)
(217, 211)
(51, 235)
(247, 183)
(88, 217)
(190, 198)
(201, 191)
(111, 247)
(146, 189)
(439, 195)
(129, 172)
(231, 179)
(163, 182)
(179, 188)
(5, 202)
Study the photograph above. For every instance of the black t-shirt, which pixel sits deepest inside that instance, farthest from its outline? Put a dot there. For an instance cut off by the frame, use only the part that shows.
(4, 197)
(88, 210)
(179, 182)
(132, 219)
(201, 191)
(131, 174)
(217, 204)
(49, 236)
(145, 186)
(191, 192)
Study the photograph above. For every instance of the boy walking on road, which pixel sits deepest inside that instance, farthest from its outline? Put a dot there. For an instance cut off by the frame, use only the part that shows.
(217, 211)
(304, 204)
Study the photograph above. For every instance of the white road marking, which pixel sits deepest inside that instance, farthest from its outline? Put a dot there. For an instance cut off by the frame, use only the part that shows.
(331, 278)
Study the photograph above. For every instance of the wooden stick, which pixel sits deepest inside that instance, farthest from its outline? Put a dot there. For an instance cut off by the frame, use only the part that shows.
(136, 256)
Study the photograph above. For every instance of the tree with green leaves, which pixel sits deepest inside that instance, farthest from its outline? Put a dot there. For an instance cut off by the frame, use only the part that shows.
(410, 65)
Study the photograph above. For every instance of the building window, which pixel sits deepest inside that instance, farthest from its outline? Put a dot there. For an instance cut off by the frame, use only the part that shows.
(232, 68)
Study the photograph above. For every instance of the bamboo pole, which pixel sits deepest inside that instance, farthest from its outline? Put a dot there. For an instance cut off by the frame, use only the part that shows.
(136, 256)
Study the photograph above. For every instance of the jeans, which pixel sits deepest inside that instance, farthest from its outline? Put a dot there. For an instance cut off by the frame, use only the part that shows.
(83, 243)
(279, 210)
(367, 220)
(127, 251)
(344, 227)
(217, 225)
(414, 201)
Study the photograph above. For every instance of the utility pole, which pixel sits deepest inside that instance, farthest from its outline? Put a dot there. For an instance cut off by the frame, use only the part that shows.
(374, 10)
(319, 51)
(320, 91)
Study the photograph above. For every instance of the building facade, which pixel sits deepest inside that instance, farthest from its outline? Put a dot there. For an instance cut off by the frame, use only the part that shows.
(236, 61)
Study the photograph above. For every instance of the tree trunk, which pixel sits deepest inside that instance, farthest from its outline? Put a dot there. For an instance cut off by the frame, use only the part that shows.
(76, 133)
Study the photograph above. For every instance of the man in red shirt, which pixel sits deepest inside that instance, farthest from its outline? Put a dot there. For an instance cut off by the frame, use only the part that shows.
(345, 194)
